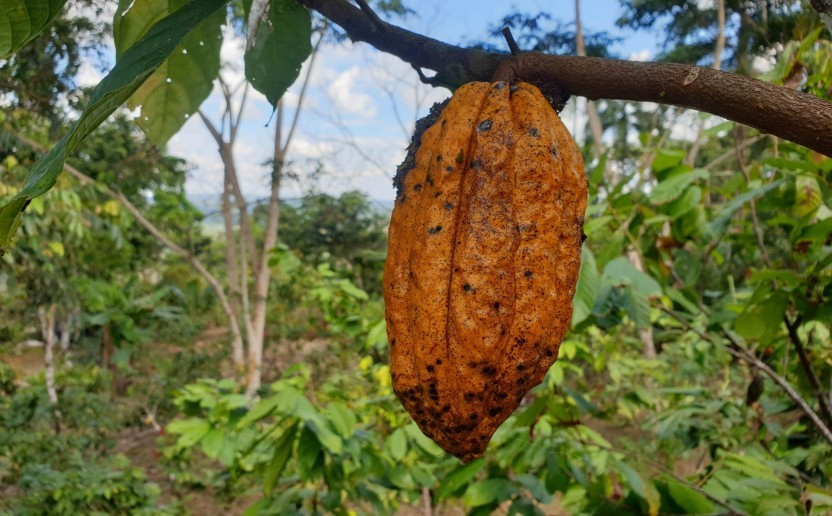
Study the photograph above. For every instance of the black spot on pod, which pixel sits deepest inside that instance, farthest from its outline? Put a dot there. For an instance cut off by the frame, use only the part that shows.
(514, 88)
(448, 206)
(534, 132)
(435, 230)
(554, 150)
(494, 411)
(489, 370)
(476, 164)
(417, 187)
(528, 274)
(449, 169)
(467, 287)
(500, 85)
(485, 125)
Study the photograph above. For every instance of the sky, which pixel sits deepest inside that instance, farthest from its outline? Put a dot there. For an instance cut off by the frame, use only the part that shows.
(361, 104)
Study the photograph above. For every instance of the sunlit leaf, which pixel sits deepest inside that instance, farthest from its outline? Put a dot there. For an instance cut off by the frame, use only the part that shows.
(22, 20)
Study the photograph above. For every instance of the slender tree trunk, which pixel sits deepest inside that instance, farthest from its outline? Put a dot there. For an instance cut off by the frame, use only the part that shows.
(262, 277)
(68, 328)
(720, 37)
(234, 279)
(595, 126)
(47, 329)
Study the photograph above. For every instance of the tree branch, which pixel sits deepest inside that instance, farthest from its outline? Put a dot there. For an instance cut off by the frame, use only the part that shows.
(798, 117)
(806, 364)
(745, 355)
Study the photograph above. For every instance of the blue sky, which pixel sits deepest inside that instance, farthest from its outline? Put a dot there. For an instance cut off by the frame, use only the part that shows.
(361, 104)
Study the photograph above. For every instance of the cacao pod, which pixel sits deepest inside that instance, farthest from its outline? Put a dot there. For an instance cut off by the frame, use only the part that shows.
(484, 251)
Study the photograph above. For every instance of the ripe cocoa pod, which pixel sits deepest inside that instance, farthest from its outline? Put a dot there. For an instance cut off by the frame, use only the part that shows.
(484, 251)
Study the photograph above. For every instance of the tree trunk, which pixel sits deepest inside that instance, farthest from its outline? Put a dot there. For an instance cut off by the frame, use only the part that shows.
(47, 329)
(263, 274)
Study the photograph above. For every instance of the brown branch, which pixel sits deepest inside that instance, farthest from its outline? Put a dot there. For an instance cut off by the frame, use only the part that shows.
(794, 116)
(806, 364)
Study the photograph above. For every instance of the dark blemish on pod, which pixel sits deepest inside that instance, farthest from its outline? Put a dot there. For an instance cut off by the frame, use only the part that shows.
(514, 88)
(521, 381)
(393, 342)
(501, 395)
(496, 305)
(550, 352)
(437, 194)
(470, 396)
(494, 411)
(520, 367)
(439, 158)
(534, 132)
(435, 230)
(430, 180)
(417, 187)
(448, 206)
(554, 150)
(520, 340)
(528, 274)
(438, 361)
(444, 121)
(476, 164)
(500, 85)
(460, 156)
(473, 416)
(467, 287)
(485, 125)
(430, 368)
(489, 370)
(446, 409)
(449, 169)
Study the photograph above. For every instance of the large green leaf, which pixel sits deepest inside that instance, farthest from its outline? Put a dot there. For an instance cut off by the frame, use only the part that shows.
(280, 46)
(692, 501)
(458, 478)
(22, 20)
(178, 87)
(587, 288)
(282, 453)
(673, 186)
(134, 67)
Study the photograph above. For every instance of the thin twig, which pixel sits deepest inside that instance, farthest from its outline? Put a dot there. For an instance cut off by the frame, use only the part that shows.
(378, 22)
(512, 43)
(745, 355)
(806, 364)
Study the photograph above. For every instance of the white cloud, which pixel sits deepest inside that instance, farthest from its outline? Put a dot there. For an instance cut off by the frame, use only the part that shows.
(641, 55)
(343, 91)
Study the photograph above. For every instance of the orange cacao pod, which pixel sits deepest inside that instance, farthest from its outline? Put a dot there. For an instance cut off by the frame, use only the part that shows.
(484, 251)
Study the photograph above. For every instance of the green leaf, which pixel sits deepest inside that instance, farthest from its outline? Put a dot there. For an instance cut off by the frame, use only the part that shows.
(212, 443)
(689, 499)
(808, 197)
(310, 458)
(666, 158)
(184, 80)
(642, 486)
(587, 289)
(190, 431)
(135, 66)
(397, 445)
(620, 272)
(22, 20)
(487, 491)
(280, 46)
(458, 478)
(282, 453)
(724, 215)
(342, 418)
(762, 318)
(673, 186)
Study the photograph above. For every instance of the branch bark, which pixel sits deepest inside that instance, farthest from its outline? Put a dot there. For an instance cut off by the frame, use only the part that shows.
(794, 116)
